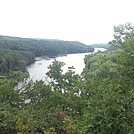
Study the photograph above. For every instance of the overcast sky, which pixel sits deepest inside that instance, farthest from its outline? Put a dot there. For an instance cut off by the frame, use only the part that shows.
(87, 21)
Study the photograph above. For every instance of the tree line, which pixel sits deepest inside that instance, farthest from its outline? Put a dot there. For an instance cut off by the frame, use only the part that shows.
(41, 47)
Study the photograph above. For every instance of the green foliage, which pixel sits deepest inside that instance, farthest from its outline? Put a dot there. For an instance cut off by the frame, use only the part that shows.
(102, 65)
(100, 101)
(65, 82)
(110, 78)
(14, 60)
(122, 33)
(41, 47)
(9, 105)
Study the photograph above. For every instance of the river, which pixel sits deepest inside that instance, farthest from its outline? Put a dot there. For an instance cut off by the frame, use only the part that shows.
(37, 70)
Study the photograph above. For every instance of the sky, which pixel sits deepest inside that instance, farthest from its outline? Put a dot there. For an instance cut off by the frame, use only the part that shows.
(87, 21)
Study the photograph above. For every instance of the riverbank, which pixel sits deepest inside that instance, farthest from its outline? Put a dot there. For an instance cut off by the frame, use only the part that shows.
(38, 70)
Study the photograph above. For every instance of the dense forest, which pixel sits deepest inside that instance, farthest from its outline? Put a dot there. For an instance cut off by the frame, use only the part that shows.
(99, 101)
(41, 47)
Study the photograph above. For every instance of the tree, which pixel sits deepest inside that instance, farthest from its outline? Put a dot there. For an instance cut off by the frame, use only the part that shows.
(122, 32)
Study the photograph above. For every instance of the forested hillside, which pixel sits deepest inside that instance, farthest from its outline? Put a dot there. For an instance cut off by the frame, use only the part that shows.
(99, 101)
(41, 47)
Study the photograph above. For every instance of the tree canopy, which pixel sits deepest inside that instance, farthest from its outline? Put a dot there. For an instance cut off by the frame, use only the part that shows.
(99, 101)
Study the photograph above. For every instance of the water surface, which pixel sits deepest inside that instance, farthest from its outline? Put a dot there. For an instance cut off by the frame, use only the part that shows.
(38, 70)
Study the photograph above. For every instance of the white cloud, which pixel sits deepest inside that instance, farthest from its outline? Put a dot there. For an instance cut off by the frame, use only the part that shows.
(89, 21)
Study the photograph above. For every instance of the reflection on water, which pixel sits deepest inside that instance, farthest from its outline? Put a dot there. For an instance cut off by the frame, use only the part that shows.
(38, 70)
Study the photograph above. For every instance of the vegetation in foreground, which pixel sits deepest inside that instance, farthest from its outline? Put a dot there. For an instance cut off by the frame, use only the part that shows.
(99, 101)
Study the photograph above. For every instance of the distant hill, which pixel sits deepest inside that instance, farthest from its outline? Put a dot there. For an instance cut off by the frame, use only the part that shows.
(41, 47)
(107, 46)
